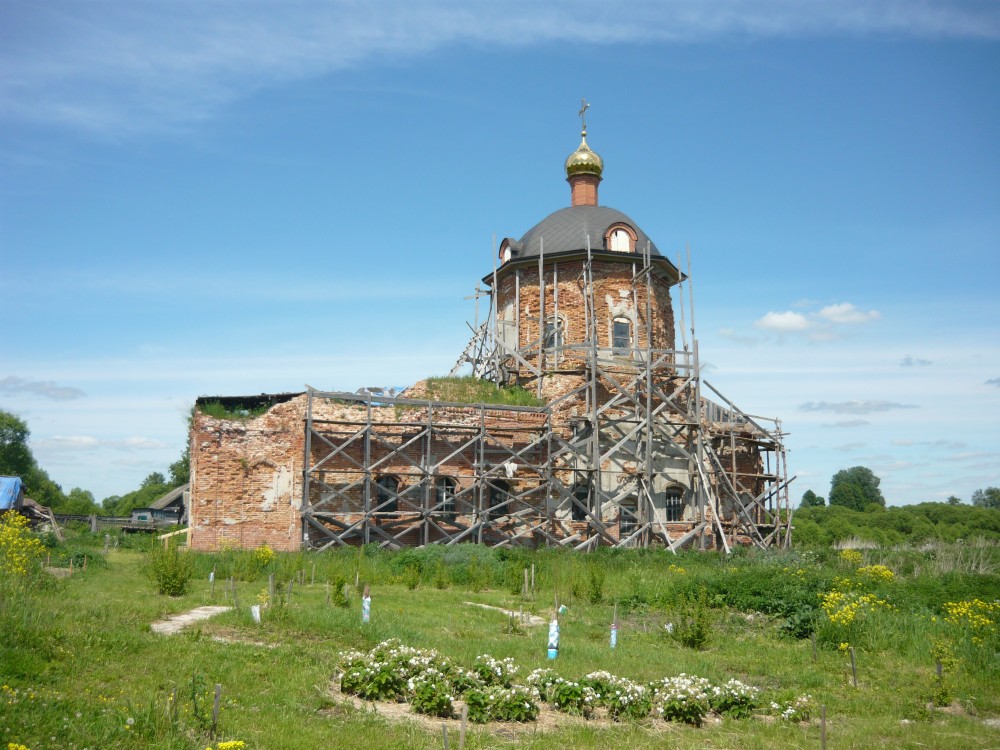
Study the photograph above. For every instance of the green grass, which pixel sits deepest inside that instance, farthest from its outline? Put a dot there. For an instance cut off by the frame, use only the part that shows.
(238, 412)
(470, 390)
(82, 647)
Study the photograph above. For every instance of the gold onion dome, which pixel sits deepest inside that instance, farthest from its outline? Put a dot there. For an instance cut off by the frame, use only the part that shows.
(583, 160)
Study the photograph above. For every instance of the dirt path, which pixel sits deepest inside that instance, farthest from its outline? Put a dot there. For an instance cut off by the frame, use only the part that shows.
(523, 617)
(177, 623)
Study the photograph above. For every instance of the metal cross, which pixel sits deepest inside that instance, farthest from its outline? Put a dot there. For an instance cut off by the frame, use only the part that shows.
(583, 113)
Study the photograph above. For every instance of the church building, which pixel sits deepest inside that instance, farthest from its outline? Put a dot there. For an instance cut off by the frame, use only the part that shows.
(627, 445)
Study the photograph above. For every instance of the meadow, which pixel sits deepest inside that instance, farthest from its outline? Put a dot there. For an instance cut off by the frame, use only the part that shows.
(81, 668)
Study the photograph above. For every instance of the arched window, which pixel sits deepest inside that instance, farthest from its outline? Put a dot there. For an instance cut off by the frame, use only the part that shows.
(581, 494)
(444, 498)
(674, 503)
(554, 335)
(621, 336)
(628, 518)
(620, 238)
(499, 499)
(386, 495)
(620, 241)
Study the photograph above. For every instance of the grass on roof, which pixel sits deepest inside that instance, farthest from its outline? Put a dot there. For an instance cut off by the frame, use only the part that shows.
(470, 390)
(236, 412)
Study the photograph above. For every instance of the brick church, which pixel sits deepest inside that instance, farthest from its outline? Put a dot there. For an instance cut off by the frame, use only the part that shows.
(627, 445)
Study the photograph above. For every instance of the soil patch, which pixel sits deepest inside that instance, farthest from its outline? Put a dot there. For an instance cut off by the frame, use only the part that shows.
(177, 623)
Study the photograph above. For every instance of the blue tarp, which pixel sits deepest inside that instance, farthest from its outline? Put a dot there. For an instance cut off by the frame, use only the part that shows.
(11, 492)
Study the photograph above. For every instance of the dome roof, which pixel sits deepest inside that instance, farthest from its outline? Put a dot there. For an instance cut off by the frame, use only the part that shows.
(567, 230)
(583, 160)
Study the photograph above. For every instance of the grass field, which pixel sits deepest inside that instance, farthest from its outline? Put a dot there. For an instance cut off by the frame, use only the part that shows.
(81, 669)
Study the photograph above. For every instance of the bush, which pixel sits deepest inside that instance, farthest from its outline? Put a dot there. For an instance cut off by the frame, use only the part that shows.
(171, 571)
(692, 625)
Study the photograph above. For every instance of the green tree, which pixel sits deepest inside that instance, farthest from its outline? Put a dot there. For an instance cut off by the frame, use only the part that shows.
(180, 470)
(988, 498)
(15, 455)
(78, 502)
(953, 500)
(155, 478)
(856, 488)
(811, 500)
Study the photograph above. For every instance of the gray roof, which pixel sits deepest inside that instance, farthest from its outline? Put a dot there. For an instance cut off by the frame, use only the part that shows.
(164, 500)
(567, 229)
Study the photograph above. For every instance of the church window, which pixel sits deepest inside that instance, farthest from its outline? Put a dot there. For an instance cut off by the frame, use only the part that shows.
(620, 241)
(387, 494)
(621, 336)
(553, 333)
(674, 505)
(581, 493)
(444, 498)
(499, 498)
(628, 519)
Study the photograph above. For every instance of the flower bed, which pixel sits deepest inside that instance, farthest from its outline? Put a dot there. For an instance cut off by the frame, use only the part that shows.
(432, 684)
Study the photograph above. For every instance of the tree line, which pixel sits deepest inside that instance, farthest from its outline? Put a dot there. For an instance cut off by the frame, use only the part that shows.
(17, 460)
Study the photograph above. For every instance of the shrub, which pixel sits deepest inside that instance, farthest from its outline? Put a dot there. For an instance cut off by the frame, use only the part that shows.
(734, 698)
(431, 694)
(19, 550)
(595, 584)
(692, 625)
(684, 698)
(516, 703)
(171, 570)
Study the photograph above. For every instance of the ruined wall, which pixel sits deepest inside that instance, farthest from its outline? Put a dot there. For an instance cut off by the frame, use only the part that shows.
(246, 479)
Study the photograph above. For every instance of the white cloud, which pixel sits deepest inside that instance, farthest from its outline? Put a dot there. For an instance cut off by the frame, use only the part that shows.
(909, 361)
(993, 381)
(121, 68)
(845, 312)
(783, 322)
(849, 423)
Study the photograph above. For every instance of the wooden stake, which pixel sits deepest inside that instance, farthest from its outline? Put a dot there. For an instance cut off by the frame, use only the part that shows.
(270, 587)
(812, 637)
(524, 588)
(854, 666)
(822, 727)
(215, 709)
(312, 580)
(328, 593)
(444, 730)
(461, 734)
(532, 578)
(174, 708)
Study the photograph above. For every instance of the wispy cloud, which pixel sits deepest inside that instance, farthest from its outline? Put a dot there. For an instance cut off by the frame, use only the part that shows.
(993, 381)
(845, 312)
(89, 443)
(13, 385)
(849, 423)
(735, 337)
(853, 407)
(914, 362)
(119, 68)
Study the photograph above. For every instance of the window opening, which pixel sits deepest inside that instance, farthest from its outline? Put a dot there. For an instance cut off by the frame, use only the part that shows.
(627, 519)
(621, 336)
(444, 498)
(621, 242)
(674, 505)
(387, 495)
(499, 499)
(581, 493)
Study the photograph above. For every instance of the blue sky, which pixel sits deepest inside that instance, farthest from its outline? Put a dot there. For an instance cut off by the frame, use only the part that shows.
(220, 198)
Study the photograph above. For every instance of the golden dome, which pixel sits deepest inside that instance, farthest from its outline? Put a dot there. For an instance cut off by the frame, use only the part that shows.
(583, 160)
